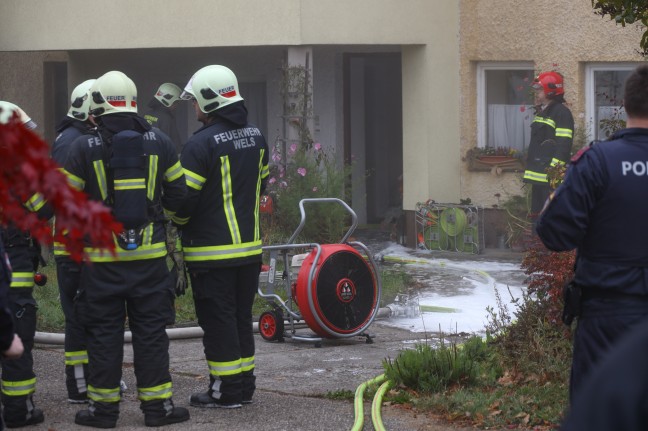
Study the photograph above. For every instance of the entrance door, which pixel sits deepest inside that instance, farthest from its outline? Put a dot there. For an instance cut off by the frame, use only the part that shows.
(374, 134)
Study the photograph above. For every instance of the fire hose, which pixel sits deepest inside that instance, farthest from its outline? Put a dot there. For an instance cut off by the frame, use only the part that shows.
(376, 417)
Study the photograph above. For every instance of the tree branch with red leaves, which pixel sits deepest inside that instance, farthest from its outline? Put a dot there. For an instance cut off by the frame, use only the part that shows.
(26, 169)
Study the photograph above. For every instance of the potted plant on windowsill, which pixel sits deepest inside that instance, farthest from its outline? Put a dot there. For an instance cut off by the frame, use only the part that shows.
(484, 158)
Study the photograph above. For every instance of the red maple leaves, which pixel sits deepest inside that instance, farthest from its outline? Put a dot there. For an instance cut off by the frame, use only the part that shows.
(26, 169)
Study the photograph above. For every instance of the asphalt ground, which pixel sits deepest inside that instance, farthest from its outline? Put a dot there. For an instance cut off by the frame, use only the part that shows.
(293, 379)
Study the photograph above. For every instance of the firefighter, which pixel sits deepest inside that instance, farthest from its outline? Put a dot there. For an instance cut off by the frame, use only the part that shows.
(76, 123)
(552, 132)
(161, 112)
(134, 169)
(226, 167)
(598, 211)
(18, 378)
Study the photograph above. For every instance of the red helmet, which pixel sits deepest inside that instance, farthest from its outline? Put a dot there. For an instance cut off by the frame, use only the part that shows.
(550, 82)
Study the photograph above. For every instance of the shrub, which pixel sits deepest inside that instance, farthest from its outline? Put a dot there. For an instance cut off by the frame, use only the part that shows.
(305, 172)
(432, 370)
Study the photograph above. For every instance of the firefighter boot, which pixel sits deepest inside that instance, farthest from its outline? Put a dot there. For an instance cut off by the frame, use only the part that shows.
(248, 386)
(20, 411)
(98, 415)
(75, 380)
(162, 412)
(224, 392)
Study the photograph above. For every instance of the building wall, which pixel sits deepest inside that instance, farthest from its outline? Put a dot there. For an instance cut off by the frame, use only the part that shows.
(560, 35)
(427, 31)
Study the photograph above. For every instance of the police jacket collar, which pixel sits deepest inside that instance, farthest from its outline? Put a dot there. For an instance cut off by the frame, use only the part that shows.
(631, 131)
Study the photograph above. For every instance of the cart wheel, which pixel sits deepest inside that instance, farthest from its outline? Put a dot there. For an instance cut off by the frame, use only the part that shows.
(271, 326)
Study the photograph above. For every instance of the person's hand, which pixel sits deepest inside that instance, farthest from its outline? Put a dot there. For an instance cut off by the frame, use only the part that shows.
(16, 349)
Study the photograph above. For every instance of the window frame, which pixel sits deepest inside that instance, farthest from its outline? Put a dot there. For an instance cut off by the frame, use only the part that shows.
(590, 95)
(482, 107)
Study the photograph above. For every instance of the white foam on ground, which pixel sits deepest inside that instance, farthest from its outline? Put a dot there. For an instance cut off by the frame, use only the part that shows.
(470, 315)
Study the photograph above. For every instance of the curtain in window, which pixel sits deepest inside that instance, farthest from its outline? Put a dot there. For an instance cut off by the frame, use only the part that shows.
(508, 126)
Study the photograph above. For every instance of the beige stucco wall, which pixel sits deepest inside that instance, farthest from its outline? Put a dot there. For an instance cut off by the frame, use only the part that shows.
(560, 35)
(426, 30)
(79, 24)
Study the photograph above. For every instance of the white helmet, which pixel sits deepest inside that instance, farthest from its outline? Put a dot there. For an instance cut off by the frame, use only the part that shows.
(80, 101)
(7, 110)
(168, 94)
(213, 87)
(113, 92)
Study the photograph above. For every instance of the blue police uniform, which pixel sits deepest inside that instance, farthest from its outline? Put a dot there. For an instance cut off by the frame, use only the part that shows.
(614, 395)
(599, 211)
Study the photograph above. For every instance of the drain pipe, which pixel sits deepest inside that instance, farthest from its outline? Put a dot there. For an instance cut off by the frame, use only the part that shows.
(175, 333)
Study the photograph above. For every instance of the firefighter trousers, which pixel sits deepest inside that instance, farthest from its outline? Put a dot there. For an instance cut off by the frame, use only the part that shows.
(18, 378)
(68, 274)
(223, 299)
(141, 291)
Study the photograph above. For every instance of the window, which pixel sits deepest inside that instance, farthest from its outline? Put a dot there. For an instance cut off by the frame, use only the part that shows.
(604, 86)
(504, 104)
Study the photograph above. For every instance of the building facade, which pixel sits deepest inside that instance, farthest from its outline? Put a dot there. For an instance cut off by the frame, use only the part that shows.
(403, 89)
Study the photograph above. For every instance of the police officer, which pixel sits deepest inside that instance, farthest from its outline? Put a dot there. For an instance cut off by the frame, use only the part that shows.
(599, 210)
(552, 132)
(161, 112)
(18, 378)
(77, 122)
(226, 166)
(134, 169)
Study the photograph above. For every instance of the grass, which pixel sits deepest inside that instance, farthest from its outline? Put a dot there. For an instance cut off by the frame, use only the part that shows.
(50, 314)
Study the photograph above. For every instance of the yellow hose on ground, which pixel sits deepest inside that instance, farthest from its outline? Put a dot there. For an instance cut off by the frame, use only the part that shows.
(358, 402)
(376, 417)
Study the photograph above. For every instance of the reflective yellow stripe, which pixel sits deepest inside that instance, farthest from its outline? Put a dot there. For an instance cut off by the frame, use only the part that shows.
(22, 279)
(555, 162)
(35, 203)
(160, 392)
(143, 252)
(180, 220)
(535, 176)
(130, 184)
(147, 235)
(100, 172)
(103, 395)
(221, 252)
(59, 249)
(228, 201)
(19, 388)
(257, 231)
(75, 358)
(224, 368)
(247, 364)
(152, 176)
(564, 133)
(74, 181)
(174, 172)
(265, 169)
(548, 121)
(194, 180)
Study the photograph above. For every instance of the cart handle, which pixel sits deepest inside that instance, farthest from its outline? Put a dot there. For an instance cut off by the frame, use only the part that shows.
(354, 217)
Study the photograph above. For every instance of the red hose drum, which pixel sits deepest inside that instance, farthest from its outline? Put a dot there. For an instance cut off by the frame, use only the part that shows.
(344, 292)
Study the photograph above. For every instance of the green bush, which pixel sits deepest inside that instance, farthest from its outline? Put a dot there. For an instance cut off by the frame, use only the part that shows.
(306, 171)
(432, 370)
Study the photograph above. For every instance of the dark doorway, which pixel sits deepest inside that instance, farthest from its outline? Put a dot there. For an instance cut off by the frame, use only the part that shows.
(374, 133)
(56, 96)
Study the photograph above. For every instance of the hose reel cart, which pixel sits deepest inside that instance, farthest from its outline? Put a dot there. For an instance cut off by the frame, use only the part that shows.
(334, 288)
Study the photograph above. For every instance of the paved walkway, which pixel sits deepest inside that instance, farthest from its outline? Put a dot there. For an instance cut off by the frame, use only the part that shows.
(292, 381)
